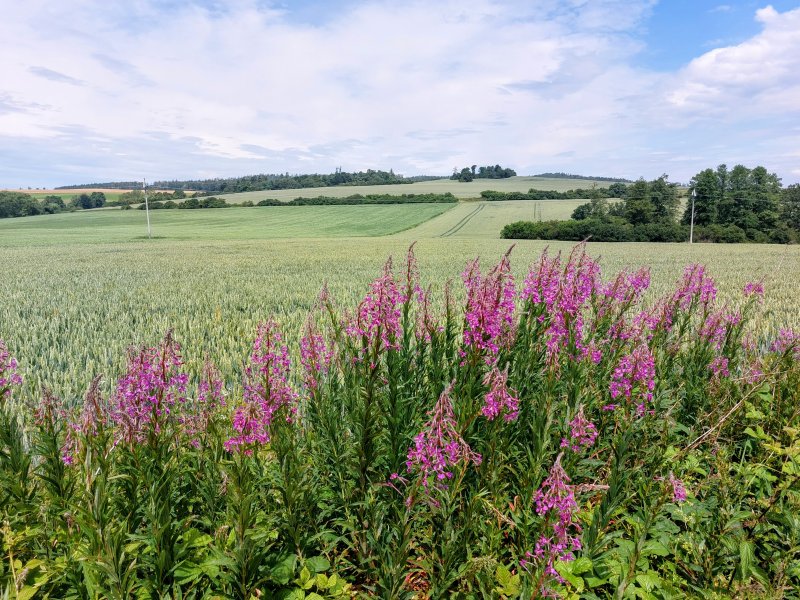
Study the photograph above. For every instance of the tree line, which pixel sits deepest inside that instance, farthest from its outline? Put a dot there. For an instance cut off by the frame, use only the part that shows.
(488, 172)
(264, 181)
(561, 175)
(730, 206)
(20, 204)
(615, 190)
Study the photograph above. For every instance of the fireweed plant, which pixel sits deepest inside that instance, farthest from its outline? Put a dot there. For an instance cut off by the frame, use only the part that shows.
(558, 436)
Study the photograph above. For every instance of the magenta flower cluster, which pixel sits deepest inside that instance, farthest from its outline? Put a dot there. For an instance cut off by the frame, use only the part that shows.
(787, 341)
(315, 355)
(499, 399)
(582, 433)
(267, 391)
(633, 378)
(378, 317)
(439, 448)
(559, 295)
(555, 500)
(197, 415)
(489, 315)
(678, 489)
(8, 371)
(152, 384)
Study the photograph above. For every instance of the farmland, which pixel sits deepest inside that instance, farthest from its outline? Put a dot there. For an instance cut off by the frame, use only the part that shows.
(79, 287)
(488, 459)
(459, 189)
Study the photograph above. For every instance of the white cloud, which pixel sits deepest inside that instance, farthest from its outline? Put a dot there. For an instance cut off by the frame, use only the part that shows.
(132, 88)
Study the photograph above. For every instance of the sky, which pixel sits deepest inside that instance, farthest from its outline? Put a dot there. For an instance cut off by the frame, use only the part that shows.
(96, 91)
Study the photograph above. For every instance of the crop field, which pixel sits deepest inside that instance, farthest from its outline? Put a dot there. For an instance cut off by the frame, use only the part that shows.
(481, 219)
(459, 189)
(256, 223)
(79, 287)
(538, 440)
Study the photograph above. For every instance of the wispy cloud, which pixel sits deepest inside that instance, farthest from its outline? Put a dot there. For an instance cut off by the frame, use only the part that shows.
(55, 76)
(187, 89)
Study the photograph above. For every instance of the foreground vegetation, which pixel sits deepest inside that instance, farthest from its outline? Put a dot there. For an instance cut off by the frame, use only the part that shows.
(550, 435)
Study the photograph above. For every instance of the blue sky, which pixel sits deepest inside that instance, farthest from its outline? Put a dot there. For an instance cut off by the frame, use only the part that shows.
(95, 91)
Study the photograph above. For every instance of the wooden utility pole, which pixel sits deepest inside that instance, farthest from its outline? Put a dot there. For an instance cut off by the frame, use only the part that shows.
(146, 208)
(691, 225)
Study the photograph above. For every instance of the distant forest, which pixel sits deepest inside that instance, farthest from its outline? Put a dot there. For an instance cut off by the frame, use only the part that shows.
(257, 183)
(589, 177)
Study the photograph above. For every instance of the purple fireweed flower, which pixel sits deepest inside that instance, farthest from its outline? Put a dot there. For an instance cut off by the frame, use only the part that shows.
(695, 286)
(266, 391)
(146, 394)
(9, 377)
(489, 317)
(555, 500)
(678, 490)
(498, 399)
(196, 416)
(315, 354)
(560, 295)
(633, 378)
(93, 415)
(788, 341)
(426, 324)
(542, 284)
(625, 289)
(582, 433)
(378, 317)
(439, 448)
(719, 367)
(716, 325)
(754, 288)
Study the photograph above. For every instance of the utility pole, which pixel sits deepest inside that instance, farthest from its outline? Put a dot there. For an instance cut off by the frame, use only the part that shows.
(146, 208)
(691, 225)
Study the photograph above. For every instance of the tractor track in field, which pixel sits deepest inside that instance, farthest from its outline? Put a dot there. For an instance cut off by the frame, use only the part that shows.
(458, 226)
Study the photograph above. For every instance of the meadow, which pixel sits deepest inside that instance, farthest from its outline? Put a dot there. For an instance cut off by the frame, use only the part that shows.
(459, 189)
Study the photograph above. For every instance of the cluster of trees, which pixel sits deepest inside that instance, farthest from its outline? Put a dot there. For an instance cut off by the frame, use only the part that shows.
(137, 197)
(19, 204)
(740, 205)
(256, 183)
(355, 199)
(470, 173)
(751, 200)
(615, 190)
(571, 176)
(190, 203)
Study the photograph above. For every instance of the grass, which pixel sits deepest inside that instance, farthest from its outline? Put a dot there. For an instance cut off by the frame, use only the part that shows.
(459, 189)
(78, 288)
(257, 223)
(486, 219)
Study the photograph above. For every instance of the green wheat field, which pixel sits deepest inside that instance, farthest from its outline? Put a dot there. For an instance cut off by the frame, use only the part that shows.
(78, 288)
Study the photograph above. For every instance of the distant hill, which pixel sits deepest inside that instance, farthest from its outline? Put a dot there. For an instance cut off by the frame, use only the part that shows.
(571, 176)
(261, 182)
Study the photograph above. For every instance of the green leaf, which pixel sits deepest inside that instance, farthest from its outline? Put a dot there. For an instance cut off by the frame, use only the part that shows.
(581, 565)
(649, 581)
(318, 564)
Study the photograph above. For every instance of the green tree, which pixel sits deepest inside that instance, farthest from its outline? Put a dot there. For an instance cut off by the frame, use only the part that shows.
(707, 194)
(664, 198)
(639, 207)
(790, 206)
